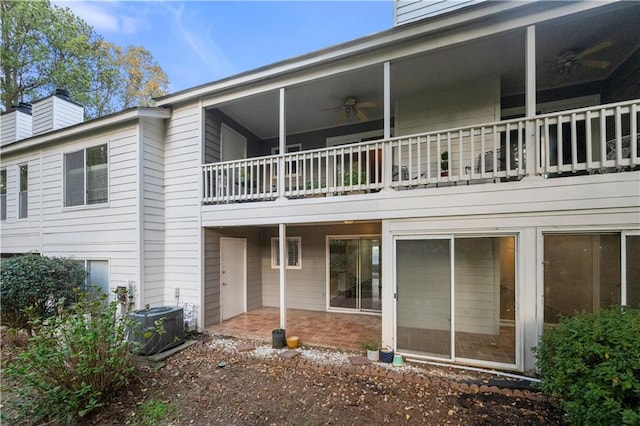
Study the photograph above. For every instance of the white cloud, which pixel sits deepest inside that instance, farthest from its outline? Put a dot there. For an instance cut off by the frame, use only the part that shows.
(200, 41)
(108, 16)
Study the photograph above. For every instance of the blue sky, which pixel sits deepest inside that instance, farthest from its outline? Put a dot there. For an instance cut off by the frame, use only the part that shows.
(197, 42)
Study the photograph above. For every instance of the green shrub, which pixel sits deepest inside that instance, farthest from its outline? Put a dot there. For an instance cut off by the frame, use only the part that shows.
(75, 361)
(153, 412)
(591, 363)
(31, 287)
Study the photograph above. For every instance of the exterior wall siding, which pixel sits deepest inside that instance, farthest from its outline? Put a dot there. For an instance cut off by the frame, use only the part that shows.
(182, 157)
(306, 287)
(412, 10)
(153, 217)
(101, 232)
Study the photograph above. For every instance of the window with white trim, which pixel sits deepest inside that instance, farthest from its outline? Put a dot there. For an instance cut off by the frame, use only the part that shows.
(294, 253)
(97, 275)
(3, 194)
(23, 191)
(86, 177)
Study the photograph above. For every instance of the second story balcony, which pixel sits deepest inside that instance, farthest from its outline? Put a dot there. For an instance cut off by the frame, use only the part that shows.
(600, 139)
(546, 97)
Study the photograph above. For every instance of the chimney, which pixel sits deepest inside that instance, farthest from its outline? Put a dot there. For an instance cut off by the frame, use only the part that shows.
(16, 124)
(55, 112)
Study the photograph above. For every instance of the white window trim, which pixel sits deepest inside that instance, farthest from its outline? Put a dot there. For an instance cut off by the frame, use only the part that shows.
(274, 252)
(6, 190)
(85, 263)
(64, 180)
(295, 147)
(19, 192)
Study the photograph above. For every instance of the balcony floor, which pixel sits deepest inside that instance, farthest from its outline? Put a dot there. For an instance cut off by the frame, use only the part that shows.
(328, 329)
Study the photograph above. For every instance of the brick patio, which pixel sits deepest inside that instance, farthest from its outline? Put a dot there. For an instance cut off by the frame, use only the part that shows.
(328, 329)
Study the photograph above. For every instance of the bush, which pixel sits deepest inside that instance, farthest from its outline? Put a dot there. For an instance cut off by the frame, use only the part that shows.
(31, 287)
(591, 363)
(75, 362)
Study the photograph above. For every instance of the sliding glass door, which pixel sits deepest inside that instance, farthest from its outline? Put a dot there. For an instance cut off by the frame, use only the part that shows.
(456, 298)
(354, 273)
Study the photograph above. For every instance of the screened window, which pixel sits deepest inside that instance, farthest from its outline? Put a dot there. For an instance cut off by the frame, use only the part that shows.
(294, 253)
(3, 194)
(23, 194)
(86, 176)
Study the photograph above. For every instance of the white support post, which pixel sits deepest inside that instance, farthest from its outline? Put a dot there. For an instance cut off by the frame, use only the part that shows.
(282, 249)
(387, 100)
(282, 144)
(530, 100)
(387, 153)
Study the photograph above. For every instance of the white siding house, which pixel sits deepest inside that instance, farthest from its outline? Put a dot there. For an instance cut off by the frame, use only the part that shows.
(468, 176)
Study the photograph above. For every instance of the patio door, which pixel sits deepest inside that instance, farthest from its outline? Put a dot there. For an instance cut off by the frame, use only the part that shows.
(354, 273)
(455, 298)
(233, 277)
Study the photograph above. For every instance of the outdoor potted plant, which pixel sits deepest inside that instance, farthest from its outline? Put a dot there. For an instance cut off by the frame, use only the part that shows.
(386, 355)
(372, 348)
(278, 338)
(444, 164)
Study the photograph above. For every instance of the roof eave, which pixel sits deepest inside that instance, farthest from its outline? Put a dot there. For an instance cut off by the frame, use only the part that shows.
(85, 127)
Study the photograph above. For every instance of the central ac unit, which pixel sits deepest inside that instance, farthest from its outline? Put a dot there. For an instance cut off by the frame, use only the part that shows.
(147, 323)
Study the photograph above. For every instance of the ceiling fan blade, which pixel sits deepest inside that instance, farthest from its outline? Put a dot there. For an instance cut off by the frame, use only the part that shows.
(342, 117)
(594, 63)
(369, 104)
(334, 108)
(361, 115)
(594, 49)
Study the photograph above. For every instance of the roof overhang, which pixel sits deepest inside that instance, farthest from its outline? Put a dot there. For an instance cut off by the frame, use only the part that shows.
(79, 129)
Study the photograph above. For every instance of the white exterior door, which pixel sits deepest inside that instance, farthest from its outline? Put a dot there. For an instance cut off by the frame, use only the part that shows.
(233, 277)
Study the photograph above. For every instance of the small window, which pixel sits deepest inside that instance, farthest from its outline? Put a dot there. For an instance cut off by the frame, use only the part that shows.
(86, 177)
(3, 194)
(23, 193)
(97, 275)
(294, 253)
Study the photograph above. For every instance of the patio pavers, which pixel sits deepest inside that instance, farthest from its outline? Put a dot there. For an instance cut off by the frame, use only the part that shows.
(329, 329)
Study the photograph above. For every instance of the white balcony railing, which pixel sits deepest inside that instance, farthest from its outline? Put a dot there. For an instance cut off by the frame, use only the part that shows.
(589, 140)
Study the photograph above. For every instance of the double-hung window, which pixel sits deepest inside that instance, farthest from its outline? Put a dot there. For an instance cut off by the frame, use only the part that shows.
(23, 193)
(86, 177)
(293, 252)
(3, 194)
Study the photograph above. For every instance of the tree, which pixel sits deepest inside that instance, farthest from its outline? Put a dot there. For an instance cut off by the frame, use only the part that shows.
(45, 47)
(126, 77)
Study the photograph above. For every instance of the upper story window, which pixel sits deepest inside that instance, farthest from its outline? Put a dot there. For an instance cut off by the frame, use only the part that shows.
(3, 194)
(23, 193)
(294, 253)
(86, 177)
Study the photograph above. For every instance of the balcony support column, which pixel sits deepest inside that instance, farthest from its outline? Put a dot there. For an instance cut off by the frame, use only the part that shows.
(530, 101)
(282, 249)
(282, 143)
(386, 153)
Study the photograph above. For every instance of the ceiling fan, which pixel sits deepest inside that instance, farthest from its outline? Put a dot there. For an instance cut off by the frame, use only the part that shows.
(352, 108)
(568, 61)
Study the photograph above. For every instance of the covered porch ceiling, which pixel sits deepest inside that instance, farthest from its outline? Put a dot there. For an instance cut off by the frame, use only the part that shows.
(584, 48)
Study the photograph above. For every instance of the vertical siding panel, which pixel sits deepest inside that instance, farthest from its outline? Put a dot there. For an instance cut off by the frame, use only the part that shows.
(153, 211)
(182, 161)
